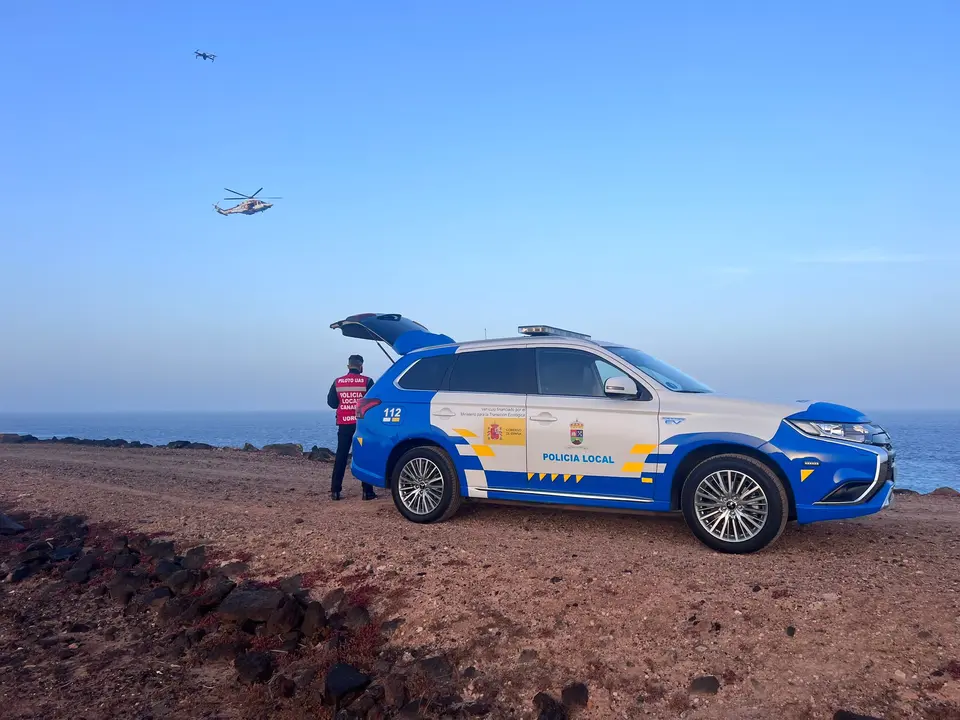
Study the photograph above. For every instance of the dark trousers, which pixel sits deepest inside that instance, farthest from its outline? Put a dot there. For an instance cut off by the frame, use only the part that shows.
(344, 441)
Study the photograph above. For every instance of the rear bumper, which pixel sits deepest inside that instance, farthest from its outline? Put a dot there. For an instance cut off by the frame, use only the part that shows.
(822, 511)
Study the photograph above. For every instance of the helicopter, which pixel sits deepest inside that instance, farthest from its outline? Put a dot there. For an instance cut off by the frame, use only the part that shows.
(205, 56)
(249, 205)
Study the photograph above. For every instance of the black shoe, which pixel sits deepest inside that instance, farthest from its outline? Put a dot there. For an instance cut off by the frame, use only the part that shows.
(370, 496)
(334, 496)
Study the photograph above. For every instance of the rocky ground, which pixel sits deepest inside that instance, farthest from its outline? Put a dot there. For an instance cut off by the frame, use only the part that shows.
(492, 614)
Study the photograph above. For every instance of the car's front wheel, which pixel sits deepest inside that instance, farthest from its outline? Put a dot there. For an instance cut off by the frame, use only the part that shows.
(734, 504)
(425, 485)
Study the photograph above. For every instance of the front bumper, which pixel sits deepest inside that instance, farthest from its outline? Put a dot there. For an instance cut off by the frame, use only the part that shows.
(824, 511)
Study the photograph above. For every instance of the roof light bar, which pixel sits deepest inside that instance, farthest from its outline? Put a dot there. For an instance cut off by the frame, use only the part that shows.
(547, 330)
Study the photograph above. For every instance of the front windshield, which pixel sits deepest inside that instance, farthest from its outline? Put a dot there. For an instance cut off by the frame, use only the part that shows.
(664, 374)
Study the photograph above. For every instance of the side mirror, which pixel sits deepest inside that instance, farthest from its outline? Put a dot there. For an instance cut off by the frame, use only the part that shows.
(620, 386)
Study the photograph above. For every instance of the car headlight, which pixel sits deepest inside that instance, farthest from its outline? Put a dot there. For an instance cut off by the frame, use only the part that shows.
(852, 432)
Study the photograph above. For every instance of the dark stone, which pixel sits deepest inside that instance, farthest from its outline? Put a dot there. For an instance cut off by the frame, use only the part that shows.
(254, 667)
(180, 609)
(292, 584)
(35, 555)
(251, 604)
(65, 553)
(247, 447)
(314, 620)
(413, 710)
(528, 655)
(22, 572)
(286, 687)
(902, 491)
(182, 582)
(791, 631)
(120, 543)
(288, 449)
(195, 558)
(343, 680)
(187, 445)
(705, 685)
(333, 600)
(470, 672)
(215, 595)
(946, 492)
(79, 628)
(125, 561)
(555, 579)
(161, 550)
(87, 562)
(575, 695)
(321, 454)
(394, 690)
(196, 636)
(285, 618)
(129, 579)
(76, 576)
(847, 715)
(233, 570)
(356, 618)
(437, 668)
(164, 569)
(157, 597)
(548, 708)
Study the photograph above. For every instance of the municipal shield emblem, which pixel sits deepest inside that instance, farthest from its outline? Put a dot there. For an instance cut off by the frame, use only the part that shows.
(576, 432)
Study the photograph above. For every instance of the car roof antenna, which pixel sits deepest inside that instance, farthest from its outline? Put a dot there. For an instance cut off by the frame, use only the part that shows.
(392, 361)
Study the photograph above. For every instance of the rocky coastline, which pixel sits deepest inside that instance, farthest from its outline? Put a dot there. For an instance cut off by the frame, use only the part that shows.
(317, 453)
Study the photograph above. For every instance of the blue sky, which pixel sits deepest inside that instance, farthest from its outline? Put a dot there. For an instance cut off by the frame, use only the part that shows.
(766, 195)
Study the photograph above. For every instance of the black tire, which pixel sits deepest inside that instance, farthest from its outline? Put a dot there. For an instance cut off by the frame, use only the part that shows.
(778, 506)
(450, 498)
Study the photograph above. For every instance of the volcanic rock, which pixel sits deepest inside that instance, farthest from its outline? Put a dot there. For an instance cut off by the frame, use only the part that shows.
(195, 558)
(251, 604)
(182, 582)
(164, 569)
(161, 550)
(946, 492)
(705, 685)
(314, 620)
(321, 454)
(215, 595)
(288, 449)
(333, 600)
(157, 597)
(343, 680)
(247, 447)
(76, 576)
(9, 526)
(285, 618)
(254, 667)
(548, 708)
(233, 570)
(575, 695)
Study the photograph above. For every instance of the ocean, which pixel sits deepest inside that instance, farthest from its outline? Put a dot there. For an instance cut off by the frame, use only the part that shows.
(927, 443)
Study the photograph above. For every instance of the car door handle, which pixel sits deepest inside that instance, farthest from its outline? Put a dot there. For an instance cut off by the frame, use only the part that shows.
(544, 417)
(444, 412)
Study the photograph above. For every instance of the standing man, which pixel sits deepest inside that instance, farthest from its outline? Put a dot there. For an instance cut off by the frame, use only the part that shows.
(343, 397)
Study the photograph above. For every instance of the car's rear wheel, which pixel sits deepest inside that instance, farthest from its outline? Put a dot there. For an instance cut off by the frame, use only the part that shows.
(734, 504)
(425, 485)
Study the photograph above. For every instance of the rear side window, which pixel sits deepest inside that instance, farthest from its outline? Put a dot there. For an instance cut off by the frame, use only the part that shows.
(427, 373)
(510, 371)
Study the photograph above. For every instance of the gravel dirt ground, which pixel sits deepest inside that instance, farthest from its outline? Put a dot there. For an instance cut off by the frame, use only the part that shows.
(862, 616)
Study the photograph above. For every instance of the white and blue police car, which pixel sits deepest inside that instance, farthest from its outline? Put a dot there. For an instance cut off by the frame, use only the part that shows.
(552, 416)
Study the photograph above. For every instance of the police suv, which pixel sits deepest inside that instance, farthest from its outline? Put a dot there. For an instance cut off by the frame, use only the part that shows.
(555, 417)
